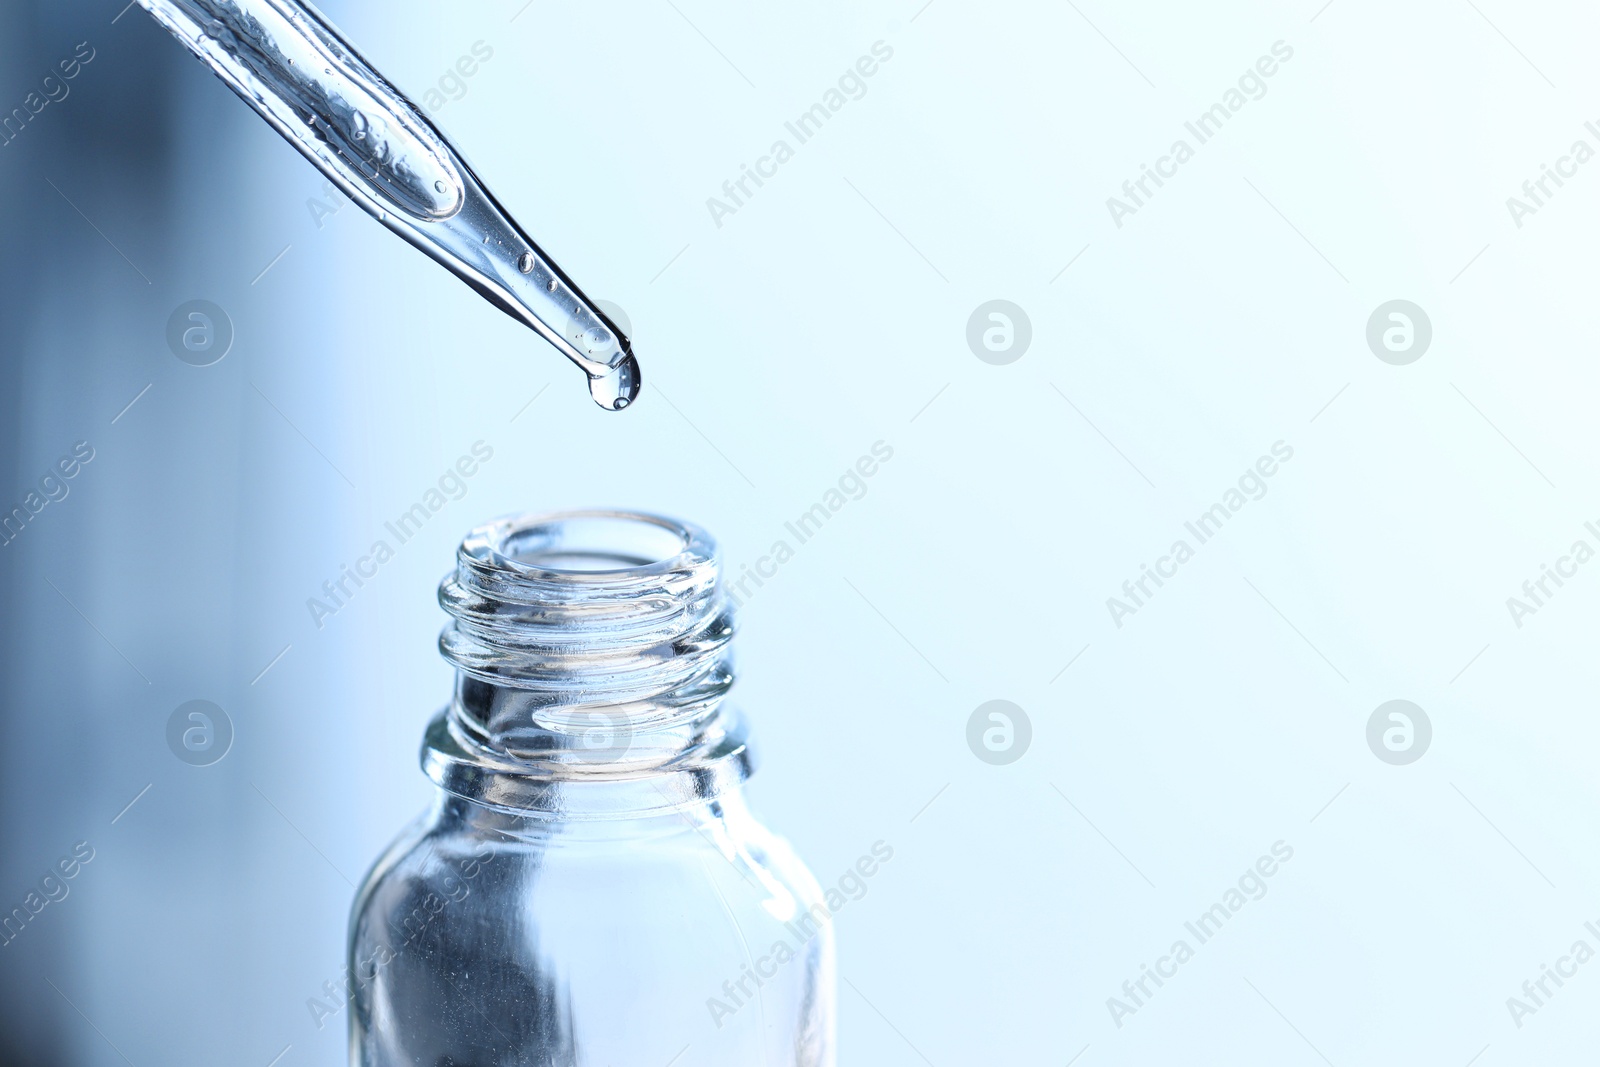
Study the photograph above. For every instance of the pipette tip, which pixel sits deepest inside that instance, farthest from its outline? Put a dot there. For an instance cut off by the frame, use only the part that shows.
(618, 387)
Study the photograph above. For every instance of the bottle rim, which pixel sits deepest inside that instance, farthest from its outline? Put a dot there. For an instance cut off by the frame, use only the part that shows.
(643, 545)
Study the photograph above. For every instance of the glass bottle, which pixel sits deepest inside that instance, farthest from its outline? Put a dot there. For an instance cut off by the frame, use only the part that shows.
(589, 887)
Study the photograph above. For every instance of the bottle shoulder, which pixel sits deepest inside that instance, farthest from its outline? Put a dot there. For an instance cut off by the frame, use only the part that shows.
(458, 850)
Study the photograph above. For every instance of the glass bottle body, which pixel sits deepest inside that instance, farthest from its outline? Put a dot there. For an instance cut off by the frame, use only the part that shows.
(483, 937)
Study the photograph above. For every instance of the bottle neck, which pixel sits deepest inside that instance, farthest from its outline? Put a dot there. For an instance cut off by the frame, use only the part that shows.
(593, 655)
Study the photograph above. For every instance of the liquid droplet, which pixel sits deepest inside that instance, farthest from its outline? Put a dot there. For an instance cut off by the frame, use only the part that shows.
(439, 186)
(551, 285)
(525, 263)
(618, 387)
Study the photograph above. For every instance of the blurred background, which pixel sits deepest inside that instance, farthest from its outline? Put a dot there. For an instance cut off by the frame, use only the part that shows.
(1147, 357)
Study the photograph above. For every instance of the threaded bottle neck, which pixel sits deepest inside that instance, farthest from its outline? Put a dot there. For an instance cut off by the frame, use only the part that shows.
(587, 642)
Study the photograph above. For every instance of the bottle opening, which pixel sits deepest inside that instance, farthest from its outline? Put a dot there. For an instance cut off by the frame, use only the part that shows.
(597, 541)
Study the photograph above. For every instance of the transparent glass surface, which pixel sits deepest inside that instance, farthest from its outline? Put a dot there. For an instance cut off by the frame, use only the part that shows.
(589, 887)
(298, 73)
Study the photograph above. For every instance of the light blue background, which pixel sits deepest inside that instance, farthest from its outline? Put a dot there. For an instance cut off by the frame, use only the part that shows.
(827, 314)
